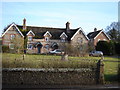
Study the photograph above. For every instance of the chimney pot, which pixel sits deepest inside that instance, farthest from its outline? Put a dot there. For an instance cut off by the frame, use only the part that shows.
(95, 29)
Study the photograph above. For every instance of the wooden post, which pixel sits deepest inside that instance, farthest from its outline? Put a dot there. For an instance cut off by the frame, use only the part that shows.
(100, 69)
(23, 56)
(64, 57)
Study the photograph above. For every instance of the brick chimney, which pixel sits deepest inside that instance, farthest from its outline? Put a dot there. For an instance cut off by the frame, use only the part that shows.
(95, 29)
(24, 24)
(68, 27)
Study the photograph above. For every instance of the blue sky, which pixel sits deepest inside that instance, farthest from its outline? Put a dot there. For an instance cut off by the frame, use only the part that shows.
(87, 15)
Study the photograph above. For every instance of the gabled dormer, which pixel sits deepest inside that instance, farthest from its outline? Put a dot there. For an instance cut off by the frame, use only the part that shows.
(30, 35)
(63, 37)
(47, 36)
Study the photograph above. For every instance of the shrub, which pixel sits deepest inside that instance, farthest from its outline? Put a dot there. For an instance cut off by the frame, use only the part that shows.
(117, 48)
(107, 48)
(5, 49)
(75, 50)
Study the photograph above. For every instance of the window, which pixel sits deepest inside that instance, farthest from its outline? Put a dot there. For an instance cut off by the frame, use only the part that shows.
(29, 46)
(101, 34)
(46, 46)
(81, 48)
(11, 46)
(47, 39)
(14, 28)
(98, 40)
(80, 40)
(104, 39)
(12, 36)
(54, 45)
(62, 39)
(30, 38)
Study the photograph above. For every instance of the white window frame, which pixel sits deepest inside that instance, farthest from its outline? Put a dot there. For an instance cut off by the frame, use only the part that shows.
(31, 46)
(63, 39)
(104, 39)
(48, 34)
(47, 39)
(11, 47)
(47, 46)
(80, 40)
(12, 36)
(99, 40)
(30, 38)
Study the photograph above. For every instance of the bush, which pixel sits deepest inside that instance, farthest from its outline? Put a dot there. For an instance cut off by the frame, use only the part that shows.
(108, 48)
(119, 73)
(117, 48)
(75, 50)
(5, 49)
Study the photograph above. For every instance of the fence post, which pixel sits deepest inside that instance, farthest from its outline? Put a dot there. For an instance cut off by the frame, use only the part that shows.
(64, 57)
(100, 69)
(23, 56)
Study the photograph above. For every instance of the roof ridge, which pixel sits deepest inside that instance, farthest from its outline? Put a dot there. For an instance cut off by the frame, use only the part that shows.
(41, 27)
(46, 27)
(96, 31)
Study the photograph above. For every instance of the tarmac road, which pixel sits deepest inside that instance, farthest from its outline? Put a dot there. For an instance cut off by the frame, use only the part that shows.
(66, 87)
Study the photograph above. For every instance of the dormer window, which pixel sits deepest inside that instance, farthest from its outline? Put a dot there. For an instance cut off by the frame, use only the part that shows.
(30, 35)
(63, 37)
(47, 36)
(30, 38)
(47, 39)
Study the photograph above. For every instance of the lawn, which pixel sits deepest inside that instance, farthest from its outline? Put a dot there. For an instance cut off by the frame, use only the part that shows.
(51, 61)
(44, 61)
(111, 71)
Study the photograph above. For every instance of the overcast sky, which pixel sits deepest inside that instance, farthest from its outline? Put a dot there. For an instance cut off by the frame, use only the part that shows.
(86, 15)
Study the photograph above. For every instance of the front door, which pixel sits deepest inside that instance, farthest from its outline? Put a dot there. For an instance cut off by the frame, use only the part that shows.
(39, 46)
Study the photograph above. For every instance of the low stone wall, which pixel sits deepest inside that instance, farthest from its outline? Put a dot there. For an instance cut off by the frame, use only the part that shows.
(66, 76)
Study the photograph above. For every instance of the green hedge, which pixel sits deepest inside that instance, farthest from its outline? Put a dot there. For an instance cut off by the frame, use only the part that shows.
(108, 48)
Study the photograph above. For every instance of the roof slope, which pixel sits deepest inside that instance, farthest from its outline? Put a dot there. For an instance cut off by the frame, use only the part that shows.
(55, 32)
(93, 34)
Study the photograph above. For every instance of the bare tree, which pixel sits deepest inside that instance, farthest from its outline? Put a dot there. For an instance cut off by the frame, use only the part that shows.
(74, 50)
(113, 31)
(18, 44)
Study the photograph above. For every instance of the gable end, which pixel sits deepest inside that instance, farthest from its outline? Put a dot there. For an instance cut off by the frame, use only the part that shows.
(80, 29)
(16, 29)
(103, 33)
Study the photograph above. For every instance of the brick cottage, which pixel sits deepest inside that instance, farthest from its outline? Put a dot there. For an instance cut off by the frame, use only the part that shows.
(45, 39)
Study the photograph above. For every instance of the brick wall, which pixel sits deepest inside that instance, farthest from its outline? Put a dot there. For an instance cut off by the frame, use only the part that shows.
(75, 39)
(100, 37)
(6, 39)
(18, 77)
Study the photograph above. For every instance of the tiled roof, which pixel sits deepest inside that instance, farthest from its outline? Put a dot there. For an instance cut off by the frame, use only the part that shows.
(55, 32)
(93, 34)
